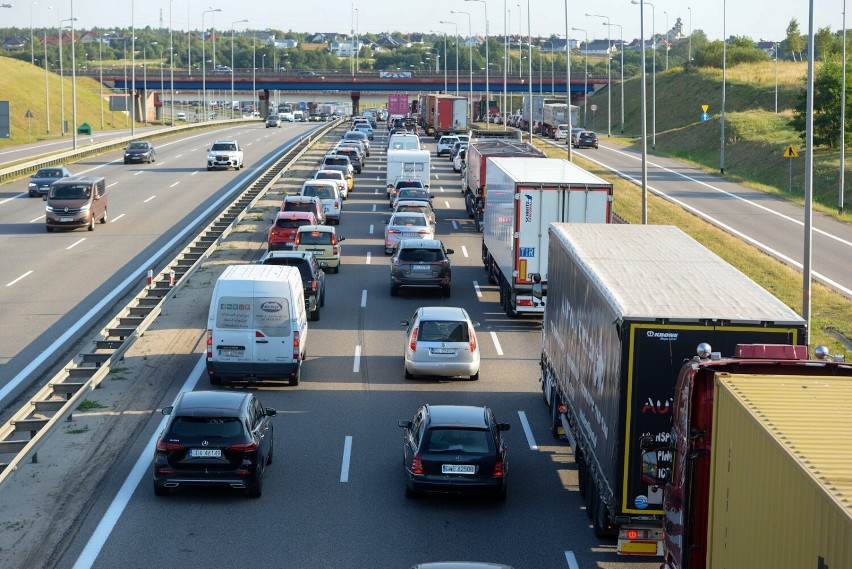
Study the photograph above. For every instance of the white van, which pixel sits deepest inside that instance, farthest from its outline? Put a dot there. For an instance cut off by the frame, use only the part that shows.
(408, 164)
(326, 191)
(257, 325)
(404, 142)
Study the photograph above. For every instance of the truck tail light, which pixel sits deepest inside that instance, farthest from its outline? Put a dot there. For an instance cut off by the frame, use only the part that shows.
(209, 344)
(525, 302)
(412, 343)
(296, 344)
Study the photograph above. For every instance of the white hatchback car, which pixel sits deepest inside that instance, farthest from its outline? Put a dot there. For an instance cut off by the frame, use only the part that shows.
(445, 144)
(407, 225)
(337, 177)
(440, 341)
(561, 132)
(326, 191)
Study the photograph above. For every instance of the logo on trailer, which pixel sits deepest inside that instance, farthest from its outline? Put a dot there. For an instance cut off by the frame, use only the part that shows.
(641, 502)
(271, 306)
(528, 208)
(666, 336)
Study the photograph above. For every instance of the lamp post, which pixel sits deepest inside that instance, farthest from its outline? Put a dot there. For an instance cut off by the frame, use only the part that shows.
(520, 34)
(355, 45)
(445, 56)
(457, 52)
(124, 59)
(568, 83)
(621, 49)
(608, 74)
(145, 81)
(529, 51)
(654, 72)
(263, 62)
(189, 38)
(689, 53)
(232, 64)
(585, 75)
(253, 70)
(132, 68)
(62, 79)
(842, 112)
(73, 82)
(666, 14)
(724, 82)
(171, 68)
(505, 61)
(32, 39)
(470, 55)
(204, 60)
(101, 75)
(46, 86)
(552, 78)
(644, 118)
(487, 65)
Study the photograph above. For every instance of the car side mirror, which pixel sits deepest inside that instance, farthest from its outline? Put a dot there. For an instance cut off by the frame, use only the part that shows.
(270, 412)
(168, 410)
(503, 426)
(449, 251)
(339, 239)
(403, 322)
(44, 198)
(476, 324)
(404, 424)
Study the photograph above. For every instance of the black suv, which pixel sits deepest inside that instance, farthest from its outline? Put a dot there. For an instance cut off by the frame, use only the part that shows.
(586, 138)
(313, 276)
(454, 449)
(420, 263)
(214, 438)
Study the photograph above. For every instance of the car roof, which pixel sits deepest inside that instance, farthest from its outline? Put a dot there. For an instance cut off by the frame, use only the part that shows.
(443, 312)
(323, 228)
(327, 171)
(314, 182)
(420, 244)
(456, 416)
(295, 215)
(207, 403)
(224, 140)
(301, 199)
(418, 203)
(286, 254)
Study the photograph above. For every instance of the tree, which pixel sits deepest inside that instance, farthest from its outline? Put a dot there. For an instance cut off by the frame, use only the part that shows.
(794, 43)
(825, 43)
(827, 83)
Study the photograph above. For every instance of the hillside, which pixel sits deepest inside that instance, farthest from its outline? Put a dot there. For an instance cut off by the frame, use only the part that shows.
(28, 93)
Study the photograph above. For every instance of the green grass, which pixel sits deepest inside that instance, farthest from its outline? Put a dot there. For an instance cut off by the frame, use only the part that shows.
(88, 405)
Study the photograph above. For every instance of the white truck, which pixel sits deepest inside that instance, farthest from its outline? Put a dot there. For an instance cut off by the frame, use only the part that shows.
(523, 197)
(408, 164)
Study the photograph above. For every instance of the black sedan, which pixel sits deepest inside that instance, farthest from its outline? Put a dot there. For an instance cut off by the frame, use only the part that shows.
(586, 139)
(40, 181)
(454, 449)
(140, 151)
(214, 438)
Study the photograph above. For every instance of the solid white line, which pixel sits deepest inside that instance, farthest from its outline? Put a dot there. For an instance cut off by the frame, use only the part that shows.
(347, 455)
(371, 229)
(161, 164)
(75, 244)
(28, 273)
(142, 468)
(137, 173)
(116, 218)
(527, 431)
(196, 172)
(446, 203)
(249, 144)
(464, 251)
(175, 184)
(192, 149)
(368, 257)
(356, 367)
(111, 185)
(572, 561)
(363, 299)
(476, 288)
(39, 218)
(22, 194)
(377, 179)
(496, 343)
(149, 199)
(456, 226)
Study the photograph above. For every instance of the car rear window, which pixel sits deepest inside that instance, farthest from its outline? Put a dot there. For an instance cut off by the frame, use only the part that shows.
(421, 255)
(292, 223)
(442, 331)
(412, 193)
(300, 206)
(409, 184)
(342, 161)
(442, 439)
(302, 265)
(328, 176)
(408, 220)
(207, 427)
(413, 209)
(322, 192)
(315, 238)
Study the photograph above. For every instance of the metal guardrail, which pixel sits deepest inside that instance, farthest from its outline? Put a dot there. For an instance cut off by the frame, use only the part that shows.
(60, 158)
(59, 397)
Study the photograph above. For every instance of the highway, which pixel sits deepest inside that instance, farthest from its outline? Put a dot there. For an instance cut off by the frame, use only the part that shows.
(326, 507)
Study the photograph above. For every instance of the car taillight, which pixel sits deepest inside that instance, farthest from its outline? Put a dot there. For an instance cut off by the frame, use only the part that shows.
(298, 238)
(424, 232)
(314, 285)
(165, 446)
(412, 343)
(472, 341)
(296, 344)
(209, 344)
(417, 464)
(394, 231)
(336, 204)
(498, 469)
(243, 447)
(335, 250)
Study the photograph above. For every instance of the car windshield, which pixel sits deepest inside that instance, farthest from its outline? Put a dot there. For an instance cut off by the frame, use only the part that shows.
(75, 192)
(410, 193)
(421, 255)
(442, 331)
(322, 192)
(206, 427)
(442, 439)
(289, 223)
(315, 238)
(409, 220)
(224, 147)
(49, 173)
(409, 184)
(138, 146)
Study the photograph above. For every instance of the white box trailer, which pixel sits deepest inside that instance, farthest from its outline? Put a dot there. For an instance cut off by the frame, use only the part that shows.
(408, 164)
(522, 198)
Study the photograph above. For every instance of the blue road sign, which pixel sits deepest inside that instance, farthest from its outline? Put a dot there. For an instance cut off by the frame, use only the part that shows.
(705, 117)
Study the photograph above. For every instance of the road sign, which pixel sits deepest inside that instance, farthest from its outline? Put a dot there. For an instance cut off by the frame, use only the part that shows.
(705, 107)
(594, 108)
(790, 152)
(29, 115)
(705, 117)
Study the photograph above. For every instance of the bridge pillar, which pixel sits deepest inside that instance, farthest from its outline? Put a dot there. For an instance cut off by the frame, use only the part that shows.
(356, 102)
(264, 103)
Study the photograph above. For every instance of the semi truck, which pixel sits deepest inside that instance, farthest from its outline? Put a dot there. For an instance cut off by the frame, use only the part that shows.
(443, 114)
(760, 460)
(524, 195)
(531, 110)
(627, 305)
(475, 174)
(398, 104)
(554, 114)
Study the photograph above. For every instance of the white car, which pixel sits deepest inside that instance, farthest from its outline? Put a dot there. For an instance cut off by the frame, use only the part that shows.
(561, 132)
(439, 340)
(445, 144)
(407, 225)
(337, 177)
(459, 160)
(225, 154)
(326, 191)
(286, 117)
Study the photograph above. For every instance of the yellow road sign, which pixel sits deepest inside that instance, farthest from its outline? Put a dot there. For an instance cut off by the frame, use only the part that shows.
(790, 152)
(705, 107)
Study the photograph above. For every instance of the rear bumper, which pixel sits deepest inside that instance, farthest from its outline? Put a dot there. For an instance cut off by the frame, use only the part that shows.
(442, 369)
(249, 371)
(455, 485)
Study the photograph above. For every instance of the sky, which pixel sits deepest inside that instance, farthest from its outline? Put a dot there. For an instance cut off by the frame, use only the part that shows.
(758, 19)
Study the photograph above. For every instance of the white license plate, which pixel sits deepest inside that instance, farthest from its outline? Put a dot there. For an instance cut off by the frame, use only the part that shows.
(458, 469)
(66, 219)
(409, 234)
(421, 268)
(205, 453)
(231, 353)
(444, 350)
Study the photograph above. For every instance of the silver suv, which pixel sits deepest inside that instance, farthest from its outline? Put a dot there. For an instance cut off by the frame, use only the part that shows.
(225, 154)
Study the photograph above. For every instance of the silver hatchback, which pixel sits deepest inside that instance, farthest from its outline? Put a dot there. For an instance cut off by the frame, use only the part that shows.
(440, 341)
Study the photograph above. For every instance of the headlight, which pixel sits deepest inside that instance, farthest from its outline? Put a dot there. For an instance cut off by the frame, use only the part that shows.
(85, 207)
(33, 185)
(48, 209)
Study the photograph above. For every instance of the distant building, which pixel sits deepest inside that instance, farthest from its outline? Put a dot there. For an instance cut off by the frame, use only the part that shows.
(598, 47)
(346, 48)
(14, 43)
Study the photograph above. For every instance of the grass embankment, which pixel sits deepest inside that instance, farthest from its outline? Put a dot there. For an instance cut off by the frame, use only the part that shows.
(831, 313)
(24, 88)
(755, 136)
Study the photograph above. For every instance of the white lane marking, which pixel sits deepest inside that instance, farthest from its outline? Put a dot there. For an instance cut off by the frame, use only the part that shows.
(175, 184)
(196, 172)
(496, 343)
(137, 173)
(446, 203)
(192, 149)
(75, 243)
(347, 456)
(368, 257)
(378, 178)
(111, 185)
(527, 431)
(149, 199)
(363, 299)
(374, 207)
(572, 561)
(25, 275)
(178, 156)
(122, 498)
(371, 229)
(39, 218)
(22, 194)
(250, 143)
(456, 226)
(377, 191)
(161, 164)
(114, 219)
(464, 251)
(356, 367)
(442, 188)
(477, 289)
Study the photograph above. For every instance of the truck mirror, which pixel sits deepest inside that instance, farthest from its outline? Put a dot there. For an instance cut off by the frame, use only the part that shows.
(537, 288)
(168, 410)
(650, 470)
(646, 442)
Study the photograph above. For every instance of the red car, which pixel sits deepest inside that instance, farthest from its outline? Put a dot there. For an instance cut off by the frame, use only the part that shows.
(282, 234)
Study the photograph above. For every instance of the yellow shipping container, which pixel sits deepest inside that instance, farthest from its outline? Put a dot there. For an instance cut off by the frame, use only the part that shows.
(781, 473)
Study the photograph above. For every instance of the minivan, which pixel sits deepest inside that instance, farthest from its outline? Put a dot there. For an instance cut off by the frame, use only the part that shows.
(257, 325)
(75, 202)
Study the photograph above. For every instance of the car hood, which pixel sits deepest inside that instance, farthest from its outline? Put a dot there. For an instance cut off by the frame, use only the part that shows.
(137, 151)
(43, 181)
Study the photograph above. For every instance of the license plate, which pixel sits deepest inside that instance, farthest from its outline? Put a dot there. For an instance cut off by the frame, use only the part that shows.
(409, 234)
(205, 453)
(458, 469)
(66, 219)
(443, 350)
(231, 353)
(421, 268)
(325, 209)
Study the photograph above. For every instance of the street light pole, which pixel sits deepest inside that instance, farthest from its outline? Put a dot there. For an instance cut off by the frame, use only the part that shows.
(568, 84)
(470, 55)
(145, 83)
(101, 73)
(73, 82)
(32, 39)
(689, 55)
(487, 66)
(520, 47)
(724, 78)
(445, 56)
(204, 61)
(132, 68)
(621, 49)
(644, 119)
(529, 53)
(585, 75)
(644, 3)
(253, 70)
(842, 112)
(457, 52)
(171, 67)
(608, 73)
(46, 86)
(667, 39)
(505, 61)
(232, 64)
